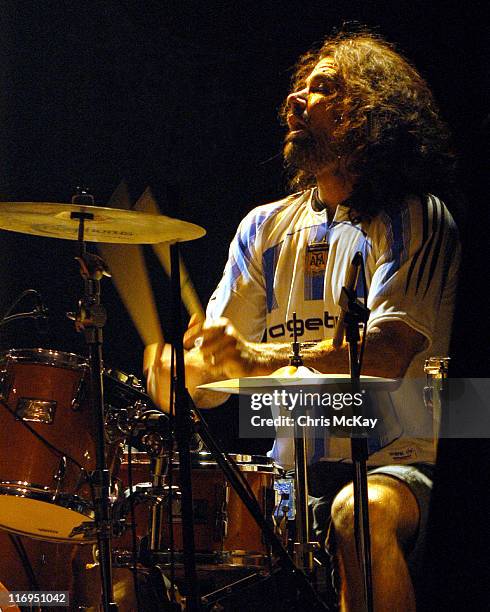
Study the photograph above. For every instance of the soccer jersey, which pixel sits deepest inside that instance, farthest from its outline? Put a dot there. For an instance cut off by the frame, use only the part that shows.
(287, 257)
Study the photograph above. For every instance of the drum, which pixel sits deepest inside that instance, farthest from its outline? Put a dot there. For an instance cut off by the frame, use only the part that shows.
(122, 546)
(224, 531)
(33, 565)
(47, 445)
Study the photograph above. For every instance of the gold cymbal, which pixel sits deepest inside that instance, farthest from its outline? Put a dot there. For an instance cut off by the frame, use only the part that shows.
(110, 225)
(290, 376)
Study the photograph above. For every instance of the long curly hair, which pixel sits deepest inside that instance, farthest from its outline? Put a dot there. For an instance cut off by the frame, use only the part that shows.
(388, 129)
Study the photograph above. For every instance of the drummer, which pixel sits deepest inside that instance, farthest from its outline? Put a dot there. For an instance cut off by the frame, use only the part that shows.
(366, 149)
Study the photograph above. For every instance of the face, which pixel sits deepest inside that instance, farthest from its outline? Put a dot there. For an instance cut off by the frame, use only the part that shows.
(311, 121)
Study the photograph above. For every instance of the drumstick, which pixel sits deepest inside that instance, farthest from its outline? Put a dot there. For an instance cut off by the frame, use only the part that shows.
(127, 265)
(147, 203)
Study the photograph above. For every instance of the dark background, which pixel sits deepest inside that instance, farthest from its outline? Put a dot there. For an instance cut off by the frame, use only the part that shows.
(183, 96)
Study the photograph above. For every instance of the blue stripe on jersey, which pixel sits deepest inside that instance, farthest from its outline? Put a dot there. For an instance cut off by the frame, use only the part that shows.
(398, 235)
(269, 263)
(240, 256)
(314, 283)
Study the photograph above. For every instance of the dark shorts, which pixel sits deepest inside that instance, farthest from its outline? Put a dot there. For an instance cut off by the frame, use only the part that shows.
(327, 479)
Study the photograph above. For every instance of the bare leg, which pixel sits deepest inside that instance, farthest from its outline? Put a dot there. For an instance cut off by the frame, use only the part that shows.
(393, 518)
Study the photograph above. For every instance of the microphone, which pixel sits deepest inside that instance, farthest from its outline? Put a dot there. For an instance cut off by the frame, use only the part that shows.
(350, 285)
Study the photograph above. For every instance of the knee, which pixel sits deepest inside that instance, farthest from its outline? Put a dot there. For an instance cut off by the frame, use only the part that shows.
(343, 513)
(393, 514)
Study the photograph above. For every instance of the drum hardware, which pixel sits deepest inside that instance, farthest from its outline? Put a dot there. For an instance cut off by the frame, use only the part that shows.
(39, 312)
(284, 509)
(247, 594)
(35, 410)
(24, 559)
(59, 476)
(156, 517)
(281, 526)
(222, 496)
(303, 548)
(353, 314)
(436, 371)
(90, 319)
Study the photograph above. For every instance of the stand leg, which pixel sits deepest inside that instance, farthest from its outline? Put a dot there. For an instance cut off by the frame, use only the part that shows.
(183, 433)
(360, 450)
(361, 516)
(101, 478)
(303, 553)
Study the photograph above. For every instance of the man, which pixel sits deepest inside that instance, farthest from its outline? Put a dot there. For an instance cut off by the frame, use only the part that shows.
(366, 148)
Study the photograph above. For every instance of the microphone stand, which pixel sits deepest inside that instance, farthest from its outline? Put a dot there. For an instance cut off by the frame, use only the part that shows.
(356, 313)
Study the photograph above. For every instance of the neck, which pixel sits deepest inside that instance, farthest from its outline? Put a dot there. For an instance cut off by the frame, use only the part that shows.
(333, 188)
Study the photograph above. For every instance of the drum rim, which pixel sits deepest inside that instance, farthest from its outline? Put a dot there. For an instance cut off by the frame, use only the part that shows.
(114, 375)
(203, 460)
(216, 559)
(36, 492)
(44, 356)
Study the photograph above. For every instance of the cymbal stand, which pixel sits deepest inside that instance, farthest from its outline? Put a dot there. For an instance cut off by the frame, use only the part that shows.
(90, 319)
(183, 431)
(303, 548)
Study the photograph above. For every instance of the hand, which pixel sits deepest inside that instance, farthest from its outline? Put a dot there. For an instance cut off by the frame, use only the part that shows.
(226, 352)
(193, 331)
(156, 368)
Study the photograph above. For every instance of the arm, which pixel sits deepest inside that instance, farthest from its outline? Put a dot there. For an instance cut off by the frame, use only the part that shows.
(390, 347)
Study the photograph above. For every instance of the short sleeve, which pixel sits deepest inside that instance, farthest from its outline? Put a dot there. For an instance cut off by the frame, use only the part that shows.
(416, 263)
(240, 295)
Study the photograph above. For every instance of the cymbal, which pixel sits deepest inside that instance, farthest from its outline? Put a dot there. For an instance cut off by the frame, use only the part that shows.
(111, 225)
(290, 376)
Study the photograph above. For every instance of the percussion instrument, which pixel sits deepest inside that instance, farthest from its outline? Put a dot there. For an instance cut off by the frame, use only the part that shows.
(112, 225)
(34, 565)
(47, 440)
(224, 531)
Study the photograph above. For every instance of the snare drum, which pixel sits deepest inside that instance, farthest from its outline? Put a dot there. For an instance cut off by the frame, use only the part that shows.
(223, 525)
(44, 490)
(224, 531)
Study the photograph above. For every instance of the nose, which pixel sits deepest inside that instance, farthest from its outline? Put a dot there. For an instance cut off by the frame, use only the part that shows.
(296, 101)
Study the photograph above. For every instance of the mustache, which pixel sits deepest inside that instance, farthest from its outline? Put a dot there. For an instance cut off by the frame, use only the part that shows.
(306, 136)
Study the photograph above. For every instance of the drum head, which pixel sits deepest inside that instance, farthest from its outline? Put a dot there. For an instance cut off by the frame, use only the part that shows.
(38, 519)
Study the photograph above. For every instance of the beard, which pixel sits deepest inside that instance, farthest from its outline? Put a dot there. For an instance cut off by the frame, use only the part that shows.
(307, 152)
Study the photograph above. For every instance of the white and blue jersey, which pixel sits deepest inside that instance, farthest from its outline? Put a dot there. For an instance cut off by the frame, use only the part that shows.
(411, 260)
